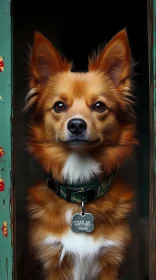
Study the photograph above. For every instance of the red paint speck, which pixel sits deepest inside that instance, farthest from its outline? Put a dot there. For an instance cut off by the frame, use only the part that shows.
(1, 152)
(1, 64)
(1, 185)
(4, 229)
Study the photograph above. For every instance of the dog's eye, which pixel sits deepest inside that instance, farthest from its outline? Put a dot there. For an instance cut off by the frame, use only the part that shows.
(99, 107)
(59, 107)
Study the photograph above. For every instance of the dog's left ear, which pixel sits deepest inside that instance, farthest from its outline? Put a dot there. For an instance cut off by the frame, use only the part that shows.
(115, 59)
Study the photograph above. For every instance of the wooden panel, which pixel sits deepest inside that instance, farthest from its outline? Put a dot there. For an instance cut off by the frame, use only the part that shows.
(6, 251)
(152, 84)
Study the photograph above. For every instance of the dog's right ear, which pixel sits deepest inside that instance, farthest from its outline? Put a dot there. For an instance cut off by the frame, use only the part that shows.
(44, 61)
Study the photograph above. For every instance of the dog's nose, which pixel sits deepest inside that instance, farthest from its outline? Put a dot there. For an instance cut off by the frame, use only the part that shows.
(77, 126)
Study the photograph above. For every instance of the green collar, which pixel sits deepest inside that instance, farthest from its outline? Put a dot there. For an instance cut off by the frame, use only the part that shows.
(76, 193)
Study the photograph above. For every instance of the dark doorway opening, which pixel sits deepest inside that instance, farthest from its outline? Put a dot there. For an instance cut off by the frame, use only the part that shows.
(76, 29)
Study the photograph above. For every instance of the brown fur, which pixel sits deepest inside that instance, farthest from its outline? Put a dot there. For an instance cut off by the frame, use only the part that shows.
(108, 81)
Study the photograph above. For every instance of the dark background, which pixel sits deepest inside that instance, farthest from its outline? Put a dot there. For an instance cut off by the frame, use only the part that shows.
(76, 28)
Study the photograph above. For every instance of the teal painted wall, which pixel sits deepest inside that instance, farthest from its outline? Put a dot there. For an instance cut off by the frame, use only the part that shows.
(6, 250)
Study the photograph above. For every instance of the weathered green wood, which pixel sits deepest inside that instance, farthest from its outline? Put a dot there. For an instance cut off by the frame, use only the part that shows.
(6, 250)
(152, 86)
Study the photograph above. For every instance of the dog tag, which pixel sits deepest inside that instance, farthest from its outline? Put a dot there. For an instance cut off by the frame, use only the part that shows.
(82, 222)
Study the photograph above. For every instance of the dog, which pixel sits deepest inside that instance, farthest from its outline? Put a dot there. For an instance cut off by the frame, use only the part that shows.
(82, 129)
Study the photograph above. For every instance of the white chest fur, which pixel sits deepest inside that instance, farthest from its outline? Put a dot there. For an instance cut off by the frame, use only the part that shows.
(80, 168)
(84, 249)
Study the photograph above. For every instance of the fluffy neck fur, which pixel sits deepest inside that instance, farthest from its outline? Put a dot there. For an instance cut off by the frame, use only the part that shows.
(80, 168)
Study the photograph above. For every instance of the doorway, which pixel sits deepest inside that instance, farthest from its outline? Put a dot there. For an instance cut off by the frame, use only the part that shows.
(76, 31)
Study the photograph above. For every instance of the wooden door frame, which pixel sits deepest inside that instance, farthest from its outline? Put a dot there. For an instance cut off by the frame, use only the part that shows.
(152, 103)
(6, 209)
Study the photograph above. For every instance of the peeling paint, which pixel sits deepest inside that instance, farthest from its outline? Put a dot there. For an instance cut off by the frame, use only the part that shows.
(7, 268)
(1, 98)
(3, 203)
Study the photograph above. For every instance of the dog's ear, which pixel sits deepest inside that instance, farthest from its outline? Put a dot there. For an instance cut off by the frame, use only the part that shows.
(115, 59)
(44, 61)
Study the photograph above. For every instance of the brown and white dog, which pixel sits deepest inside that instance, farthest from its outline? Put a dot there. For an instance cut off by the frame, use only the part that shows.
(81, 130)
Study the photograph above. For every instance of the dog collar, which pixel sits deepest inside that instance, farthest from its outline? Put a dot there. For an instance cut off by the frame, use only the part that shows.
(80, 192)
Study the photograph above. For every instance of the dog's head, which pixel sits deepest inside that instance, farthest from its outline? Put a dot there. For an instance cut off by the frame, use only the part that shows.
(81, 111)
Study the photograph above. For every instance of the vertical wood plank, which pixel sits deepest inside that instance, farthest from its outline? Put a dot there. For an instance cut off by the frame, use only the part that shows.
(6, 250)
(152, 86)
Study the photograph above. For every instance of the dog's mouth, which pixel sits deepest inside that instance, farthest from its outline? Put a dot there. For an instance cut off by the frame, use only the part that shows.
(79, 142)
